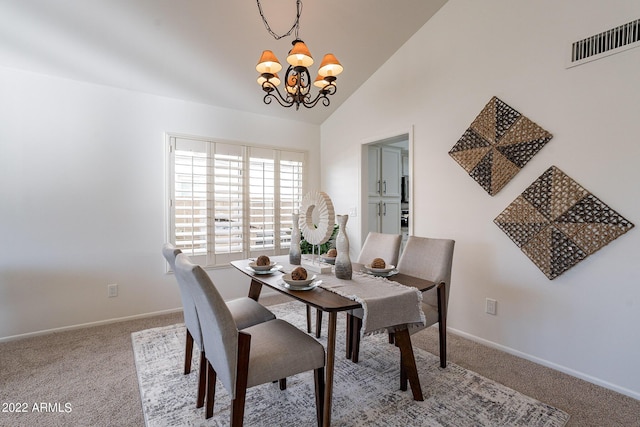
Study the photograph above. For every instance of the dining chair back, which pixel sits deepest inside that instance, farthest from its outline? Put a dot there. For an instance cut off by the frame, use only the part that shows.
(245, 311)
(425, 258)
(191, 321)
(431, 259)
(262, 353)
(220, 334)
(380, 245)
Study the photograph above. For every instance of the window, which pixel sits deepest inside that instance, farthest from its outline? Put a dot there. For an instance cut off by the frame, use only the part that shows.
(230, 201)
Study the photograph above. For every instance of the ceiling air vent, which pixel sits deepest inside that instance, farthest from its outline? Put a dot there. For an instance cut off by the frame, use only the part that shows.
(606, 43)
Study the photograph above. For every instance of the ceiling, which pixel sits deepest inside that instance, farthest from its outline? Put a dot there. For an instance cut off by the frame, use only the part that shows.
(203, 50)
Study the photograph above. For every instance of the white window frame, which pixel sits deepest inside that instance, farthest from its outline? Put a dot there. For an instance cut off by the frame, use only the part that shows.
(287, 194)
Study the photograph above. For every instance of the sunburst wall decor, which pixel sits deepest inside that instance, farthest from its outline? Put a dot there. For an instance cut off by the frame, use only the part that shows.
(557, 223)
(497, 144)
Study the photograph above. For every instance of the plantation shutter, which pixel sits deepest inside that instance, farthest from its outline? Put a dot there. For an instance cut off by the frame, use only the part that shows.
(190, 195)
(262, 200)
(290, 192)
(230, 201)
(228, 197)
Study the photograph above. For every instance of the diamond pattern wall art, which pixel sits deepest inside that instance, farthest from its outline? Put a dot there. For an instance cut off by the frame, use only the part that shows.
(497, 144)
(557, 223)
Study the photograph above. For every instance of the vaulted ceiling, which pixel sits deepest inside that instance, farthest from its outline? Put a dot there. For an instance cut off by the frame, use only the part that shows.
(203, 50)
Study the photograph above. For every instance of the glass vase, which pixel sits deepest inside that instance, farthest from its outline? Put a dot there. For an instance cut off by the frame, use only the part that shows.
(343, 262)
(294, 249)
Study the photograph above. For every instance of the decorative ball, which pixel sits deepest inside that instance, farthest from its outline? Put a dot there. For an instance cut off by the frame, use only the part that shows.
(299, 273)
(263, 260)
(332, 253)
(378, 263)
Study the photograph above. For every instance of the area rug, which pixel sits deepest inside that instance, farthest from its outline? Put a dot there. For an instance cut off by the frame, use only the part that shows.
(364, 394)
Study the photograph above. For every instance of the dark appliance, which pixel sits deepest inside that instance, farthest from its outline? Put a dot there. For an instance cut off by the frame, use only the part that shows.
(404, 184)
(404, 218)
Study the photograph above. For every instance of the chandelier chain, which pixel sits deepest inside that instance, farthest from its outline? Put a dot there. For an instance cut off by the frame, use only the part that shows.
(295, 26)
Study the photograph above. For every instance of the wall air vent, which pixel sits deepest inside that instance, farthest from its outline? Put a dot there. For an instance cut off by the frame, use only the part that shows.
(606, 43)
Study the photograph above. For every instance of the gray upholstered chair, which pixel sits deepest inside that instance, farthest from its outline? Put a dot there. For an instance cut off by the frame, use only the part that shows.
(245, 311)
(380, 245)
(376, 245)
(257, 355)
(429, 259)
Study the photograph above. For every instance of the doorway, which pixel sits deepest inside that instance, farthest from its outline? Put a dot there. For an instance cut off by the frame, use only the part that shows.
(386, 201)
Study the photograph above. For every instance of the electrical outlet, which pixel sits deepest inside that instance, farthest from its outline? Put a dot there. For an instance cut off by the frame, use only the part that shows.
(112, 290)
(353, 212)
(491, 306)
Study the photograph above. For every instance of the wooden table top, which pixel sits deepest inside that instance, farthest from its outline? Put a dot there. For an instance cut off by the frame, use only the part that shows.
(320, 298)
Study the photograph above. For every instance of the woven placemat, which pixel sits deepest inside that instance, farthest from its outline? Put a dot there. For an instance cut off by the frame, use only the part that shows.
(497, 144)
(557, 223)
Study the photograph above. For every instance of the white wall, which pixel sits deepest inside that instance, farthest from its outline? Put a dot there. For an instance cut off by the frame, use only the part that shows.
(584, 322)
(82, 197)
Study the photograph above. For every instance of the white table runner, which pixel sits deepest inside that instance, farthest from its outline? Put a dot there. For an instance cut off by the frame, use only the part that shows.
(387, 305)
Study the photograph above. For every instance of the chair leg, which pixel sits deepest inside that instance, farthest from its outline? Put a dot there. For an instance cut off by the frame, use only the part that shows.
(237, 406)
(355, 337)
(403, 374)
(211, 390)
(392, 338)
(318, 323)
(283, 383)
(308, 319)
(349, 340)
(202, 380)
(318, 379)
(442, 329)
(442, 325)
(188, 352)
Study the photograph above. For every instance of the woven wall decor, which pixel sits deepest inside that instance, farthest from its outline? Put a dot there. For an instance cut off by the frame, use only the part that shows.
(497, 144)
(557, 223)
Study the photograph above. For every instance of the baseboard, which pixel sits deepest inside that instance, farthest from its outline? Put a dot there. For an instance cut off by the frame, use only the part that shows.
(548, 364)
(90, 324)
(104, 322)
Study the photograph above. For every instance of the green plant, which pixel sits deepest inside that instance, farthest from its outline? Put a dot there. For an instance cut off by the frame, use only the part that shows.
(306, 247)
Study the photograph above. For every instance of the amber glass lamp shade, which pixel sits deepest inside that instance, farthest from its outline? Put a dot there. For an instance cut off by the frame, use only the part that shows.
(275, 80)
(299, 55)
(268, 63)
(320, 82)
(330, 66)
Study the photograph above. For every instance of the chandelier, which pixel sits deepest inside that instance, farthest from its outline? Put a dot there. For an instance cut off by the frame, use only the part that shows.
(297, 80)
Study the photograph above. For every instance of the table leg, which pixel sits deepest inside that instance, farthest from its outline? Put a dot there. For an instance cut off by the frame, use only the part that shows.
(331, 356)
(254, 289)
(408, 362)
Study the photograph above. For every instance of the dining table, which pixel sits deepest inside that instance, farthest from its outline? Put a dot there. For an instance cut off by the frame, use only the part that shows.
(333, 303)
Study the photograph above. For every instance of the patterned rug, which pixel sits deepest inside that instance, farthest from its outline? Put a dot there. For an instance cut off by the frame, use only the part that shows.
(366, 393)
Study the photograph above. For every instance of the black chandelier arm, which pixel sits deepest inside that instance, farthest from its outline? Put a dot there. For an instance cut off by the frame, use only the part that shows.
(322, 96)
(269, 96)
(270, 89)
(330, 89)
(272, 92)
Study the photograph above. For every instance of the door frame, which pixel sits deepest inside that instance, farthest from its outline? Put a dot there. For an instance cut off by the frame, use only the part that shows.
(386, 138)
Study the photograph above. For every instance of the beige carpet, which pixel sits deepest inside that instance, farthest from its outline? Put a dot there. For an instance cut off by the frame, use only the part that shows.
(93, 370)
(364, 394)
